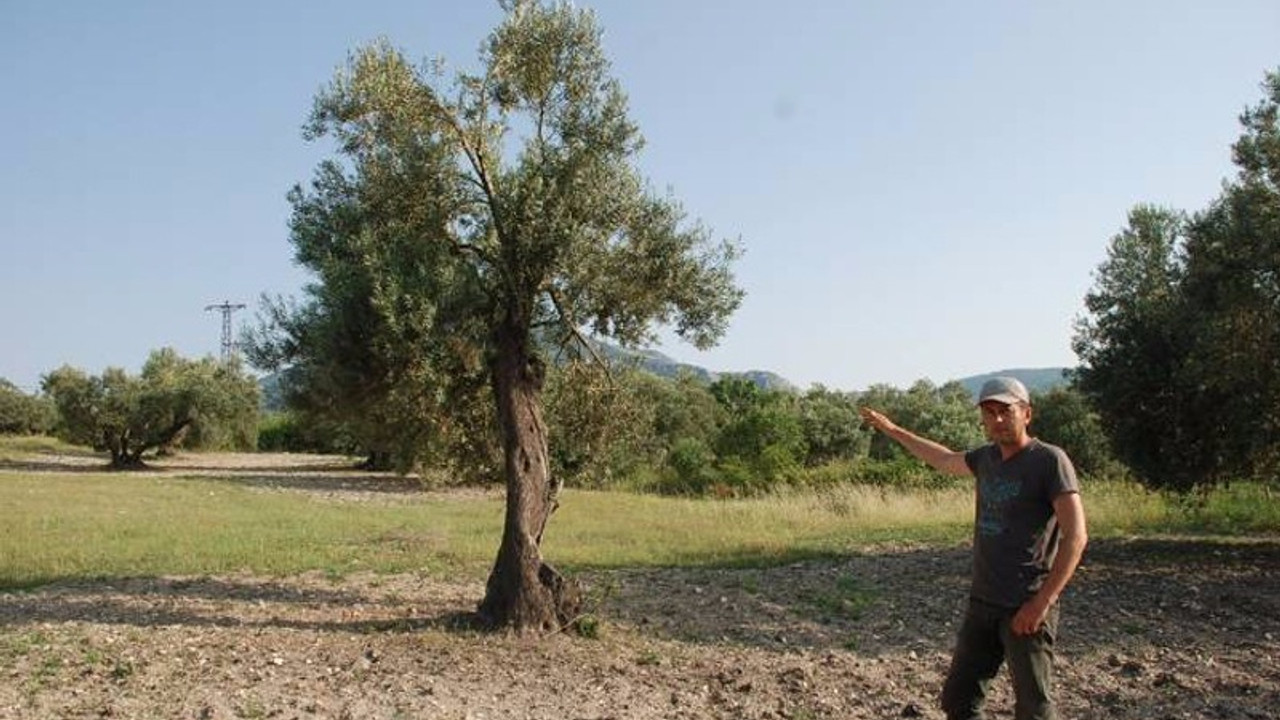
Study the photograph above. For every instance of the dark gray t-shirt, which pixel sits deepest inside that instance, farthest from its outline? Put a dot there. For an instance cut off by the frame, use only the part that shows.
(1015, 534)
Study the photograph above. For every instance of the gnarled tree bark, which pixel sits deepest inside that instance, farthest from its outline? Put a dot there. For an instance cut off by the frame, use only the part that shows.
(524, 592)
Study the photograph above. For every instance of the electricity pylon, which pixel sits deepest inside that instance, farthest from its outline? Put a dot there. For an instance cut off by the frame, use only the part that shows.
(228, 345)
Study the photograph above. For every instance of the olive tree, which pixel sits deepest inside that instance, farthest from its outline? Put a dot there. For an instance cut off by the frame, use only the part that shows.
(489, 214)
(210, 403)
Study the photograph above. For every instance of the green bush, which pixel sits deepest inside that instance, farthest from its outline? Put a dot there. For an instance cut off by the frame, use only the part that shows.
(840, 472)
(286, 432)
(902, 474)
(689, 468)
(23, 414)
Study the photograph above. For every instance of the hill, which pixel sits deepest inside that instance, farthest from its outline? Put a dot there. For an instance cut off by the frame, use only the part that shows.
(663, 366)
(649, 360)
(1036, 379)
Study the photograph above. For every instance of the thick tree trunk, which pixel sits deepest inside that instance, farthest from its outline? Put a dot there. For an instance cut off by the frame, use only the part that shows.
(174, 437)
(123, 456)
(523, 592)
(377, 460)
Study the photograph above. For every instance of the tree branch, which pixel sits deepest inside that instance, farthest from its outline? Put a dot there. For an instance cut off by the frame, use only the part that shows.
(567, 321)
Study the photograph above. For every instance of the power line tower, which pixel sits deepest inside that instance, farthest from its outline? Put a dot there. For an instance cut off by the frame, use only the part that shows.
(228, 345)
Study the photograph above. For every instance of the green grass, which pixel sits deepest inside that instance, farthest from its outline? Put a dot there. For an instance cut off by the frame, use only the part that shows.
(14, 447)
(612, 529)
(104, 525)
(1125, 508)
(88, 525)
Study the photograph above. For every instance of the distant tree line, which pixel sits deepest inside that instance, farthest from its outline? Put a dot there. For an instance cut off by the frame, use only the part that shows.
(23, 414)
(621, 427)
(627, 427)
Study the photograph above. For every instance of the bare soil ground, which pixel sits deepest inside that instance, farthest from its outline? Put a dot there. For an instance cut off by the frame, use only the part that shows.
(1152, 628)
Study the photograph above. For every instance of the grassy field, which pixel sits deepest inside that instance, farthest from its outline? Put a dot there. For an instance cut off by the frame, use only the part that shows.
(73, 525)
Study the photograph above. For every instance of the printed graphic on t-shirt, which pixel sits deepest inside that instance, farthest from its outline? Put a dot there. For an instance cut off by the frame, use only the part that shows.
(1041, 552)
(996, 494)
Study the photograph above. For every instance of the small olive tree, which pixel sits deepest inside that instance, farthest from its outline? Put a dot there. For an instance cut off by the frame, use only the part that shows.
(204, 402)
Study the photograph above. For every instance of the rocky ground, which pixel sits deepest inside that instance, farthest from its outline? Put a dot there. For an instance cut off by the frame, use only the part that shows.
(1152, 628)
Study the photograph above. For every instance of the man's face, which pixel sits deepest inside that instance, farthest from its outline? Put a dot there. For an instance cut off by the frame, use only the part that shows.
(1005, 424)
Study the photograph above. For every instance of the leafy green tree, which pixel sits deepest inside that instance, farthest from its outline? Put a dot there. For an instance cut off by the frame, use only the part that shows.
(691, 463)
(943, 413)
(1063, 416)
(1180, 350)
(684, 409)
(832, 427)
(602, 422)
(1133, 346)
(762, 439)
(207, 402)
(23, 414)
(490, 212)
(686, 422)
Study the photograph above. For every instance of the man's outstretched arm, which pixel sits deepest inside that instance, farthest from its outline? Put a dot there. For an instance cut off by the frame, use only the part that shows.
(938, 456)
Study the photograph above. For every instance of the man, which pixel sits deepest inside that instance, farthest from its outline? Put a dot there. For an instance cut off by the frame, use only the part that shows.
(1028, 536)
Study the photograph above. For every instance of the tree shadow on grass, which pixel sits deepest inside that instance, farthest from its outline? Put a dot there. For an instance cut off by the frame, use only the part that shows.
(97, 464)
(307, 604)
(316, 482)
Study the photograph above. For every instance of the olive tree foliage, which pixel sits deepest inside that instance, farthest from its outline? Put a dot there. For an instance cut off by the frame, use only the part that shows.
(761, 440)
(173, 401)
(478, 214)
(687, 421)
(23, 414)
(1180, 344)
(604, 426)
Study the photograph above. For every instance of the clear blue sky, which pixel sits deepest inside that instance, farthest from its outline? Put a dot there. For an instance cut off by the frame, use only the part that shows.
(923, 189)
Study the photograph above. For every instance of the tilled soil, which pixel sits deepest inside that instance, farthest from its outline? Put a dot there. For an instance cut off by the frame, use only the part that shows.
(1151, 628)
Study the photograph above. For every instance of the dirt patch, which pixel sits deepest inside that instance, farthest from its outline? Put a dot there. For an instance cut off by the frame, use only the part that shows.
(1151, 628)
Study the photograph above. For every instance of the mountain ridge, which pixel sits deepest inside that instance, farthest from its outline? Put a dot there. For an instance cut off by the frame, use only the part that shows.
(1037, 379)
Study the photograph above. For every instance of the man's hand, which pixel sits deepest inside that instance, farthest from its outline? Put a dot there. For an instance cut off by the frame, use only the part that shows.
(876, 420)
(1030, 617)
(940, 457)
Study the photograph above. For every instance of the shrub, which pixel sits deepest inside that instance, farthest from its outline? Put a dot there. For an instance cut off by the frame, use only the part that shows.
(690, 465)
(903, 474)
(23, 414)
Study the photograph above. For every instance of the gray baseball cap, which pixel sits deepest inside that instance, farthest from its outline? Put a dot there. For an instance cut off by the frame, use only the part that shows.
(1005, 390)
